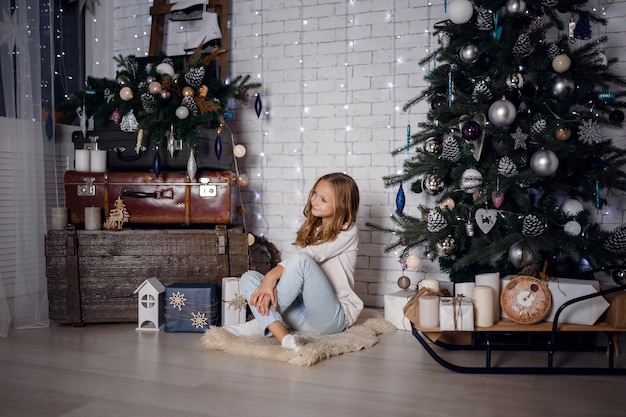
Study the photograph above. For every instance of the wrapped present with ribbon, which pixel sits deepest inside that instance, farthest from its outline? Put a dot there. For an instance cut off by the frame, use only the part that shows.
(234, 304)
(191, 307)
(456, 313)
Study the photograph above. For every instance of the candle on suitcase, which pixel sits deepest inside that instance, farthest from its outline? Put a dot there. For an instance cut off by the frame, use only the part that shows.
(429, 311)
(431, 284)
(82, 160)
(98, 160)
(59, 218)
(93, 218)
(482, 297)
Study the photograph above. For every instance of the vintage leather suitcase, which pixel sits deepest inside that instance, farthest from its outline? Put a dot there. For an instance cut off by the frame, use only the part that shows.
(169, 199)
(124, 153)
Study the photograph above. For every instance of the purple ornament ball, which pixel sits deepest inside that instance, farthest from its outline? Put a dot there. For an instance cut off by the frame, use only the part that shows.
(437, 102)
(471, 130)
(165, 95)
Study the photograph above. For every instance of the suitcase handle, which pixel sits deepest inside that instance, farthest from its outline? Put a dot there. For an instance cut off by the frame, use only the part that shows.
(157, 195)
(128, 158)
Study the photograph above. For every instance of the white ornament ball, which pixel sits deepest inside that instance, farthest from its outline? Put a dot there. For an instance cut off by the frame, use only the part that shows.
(460, 11)
(561, 63)
(182, 112)
(471, 180)
(239, 151)
(165, 68)
(571, 207)
(126, 94)
(544, 162)
(572, 228)
(154, 87)
(502, 113)
(412, 261)
(515, 7)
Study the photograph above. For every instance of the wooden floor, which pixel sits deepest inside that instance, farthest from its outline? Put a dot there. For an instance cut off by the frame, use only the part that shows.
(109, 370)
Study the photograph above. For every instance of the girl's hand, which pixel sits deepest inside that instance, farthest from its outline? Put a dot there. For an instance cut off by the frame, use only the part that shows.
(265, 294)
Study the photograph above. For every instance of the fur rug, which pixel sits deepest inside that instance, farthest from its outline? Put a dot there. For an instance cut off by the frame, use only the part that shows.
(363, 334)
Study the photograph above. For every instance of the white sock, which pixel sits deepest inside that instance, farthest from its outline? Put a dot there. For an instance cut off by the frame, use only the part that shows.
(249, 328)
(293, 342)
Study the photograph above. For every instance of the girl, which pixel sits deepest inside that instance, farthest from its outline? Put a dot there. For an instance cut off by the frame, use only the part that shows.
(312, 290)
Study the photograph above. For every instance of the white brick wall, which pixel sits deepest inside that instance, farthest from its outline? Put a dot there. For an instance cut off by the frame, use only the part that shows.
(305, 83)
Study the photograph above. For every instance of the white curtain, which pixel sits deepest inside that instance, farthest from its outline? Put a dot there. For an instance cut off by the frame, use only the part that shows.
(24, 135)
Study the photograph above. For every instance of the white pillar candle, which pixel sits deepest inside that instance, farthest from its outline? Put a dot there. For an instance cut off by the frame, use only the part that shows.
(98, 160)
(482, 297)
(82, 160)
(429, 311)
(491, 280)
(464, 288)
(59, 218)
(431, 284)
(93, 218)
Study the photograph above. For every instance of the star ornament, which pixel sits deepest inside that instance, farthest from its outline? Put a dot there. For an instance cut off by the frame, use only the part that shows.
(89, 4)
(520, 138)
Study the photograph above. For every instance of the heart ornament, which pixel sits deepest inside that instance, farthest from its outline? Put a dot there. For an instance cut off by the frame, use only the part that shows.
(486, 219)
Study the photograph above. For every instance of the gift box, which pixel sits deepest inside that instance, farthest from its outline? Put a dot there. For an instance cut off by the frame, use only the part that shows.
(234, 304)
(585, 312)
(456, 313)
(616, 313)
(394, 308)
(191, 307)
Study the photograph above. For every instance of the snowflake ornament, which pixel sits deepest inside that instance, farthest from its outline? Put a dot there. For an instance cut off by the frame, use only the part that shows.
(589, 131)
(199, 320)
(239, 303)
(520, 138)
(178, 300)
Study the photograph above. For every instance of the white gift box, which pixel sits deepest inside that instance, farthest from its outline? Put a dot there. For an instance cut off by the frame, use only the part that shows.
(394, 308)
(456, 313)
(585, 312)
(233, 302)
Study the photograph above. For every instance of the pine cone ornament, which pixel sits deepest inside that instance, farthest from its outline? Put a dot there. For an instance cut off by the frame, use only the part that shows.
(549, 3)
(131, 65)
(190, 104)
(451, 150)
(522, 47)
(538, 127)
(481, 91)
(148, 102)
(553, 51)
(484, 19)
(436, 221)
(168, 60)
(194, 76)
(506, 167)
(616, 242)
(532, 226)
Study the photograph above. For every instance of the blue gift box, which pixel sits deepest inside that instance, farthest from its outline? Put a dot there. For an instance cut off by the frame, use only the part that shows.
(191, 307)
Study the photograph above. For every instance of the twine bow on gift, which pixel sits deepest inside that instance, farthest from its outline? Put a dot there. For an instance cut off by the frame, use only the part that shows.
(239, 303)
(457, 311)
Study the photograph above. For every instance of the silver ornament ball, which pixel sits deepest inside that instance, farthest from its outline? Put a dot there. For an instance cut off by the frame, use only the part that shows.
(561, 86)
(446, 246)
(432, 185)
(502, 113)
(544, 162)
(404, 282)
(520, 256)
(469, 53)
(433, 146)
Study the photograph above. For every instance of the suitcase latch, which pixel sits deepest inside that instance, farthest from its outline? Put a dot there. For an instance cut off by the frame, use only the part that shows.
(207, 190)
(88, 189)
(92, 145)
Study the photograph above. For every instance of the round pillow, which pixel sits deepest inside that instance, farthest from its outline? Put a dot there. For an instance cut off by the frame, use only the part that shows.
(526, 300)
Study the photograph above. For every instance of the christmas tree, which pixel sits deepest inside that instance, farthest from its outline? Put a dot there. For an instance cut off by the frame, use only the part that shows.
(516, 151)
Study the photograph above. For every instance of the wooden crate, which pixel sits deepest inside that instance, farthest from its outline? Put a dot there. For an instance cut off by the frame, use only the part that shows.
(92, 274)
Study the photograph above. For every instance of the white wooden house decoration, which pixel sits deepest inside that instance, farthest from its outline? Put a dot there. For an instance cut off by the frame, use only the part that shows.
(150, 305)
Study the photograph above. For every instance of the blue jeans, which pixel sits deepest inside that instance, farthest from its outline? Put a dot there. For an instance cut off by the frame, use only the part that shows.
(306, 300)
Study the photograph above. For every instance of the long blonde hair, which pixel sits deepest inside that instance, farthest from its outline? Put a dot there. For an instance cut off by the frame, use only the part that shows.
(346, 209)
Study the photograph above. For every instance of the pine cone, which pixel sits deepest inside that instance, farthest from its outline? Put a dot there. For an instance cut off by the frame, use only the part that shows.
(553, 51)
(451, 150)
(436, 221)
(484, 19)
(532, 226)
(131, 64)
(616, 242)
(522, 46)
(506, 167)
(481, 91)
(191, 105)
(195, 76)
(148, 102)
(538, 127)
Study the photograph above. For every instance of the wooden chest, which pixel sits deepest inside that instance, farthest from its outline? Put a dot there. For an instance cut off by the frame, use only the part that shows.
(92, 274)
